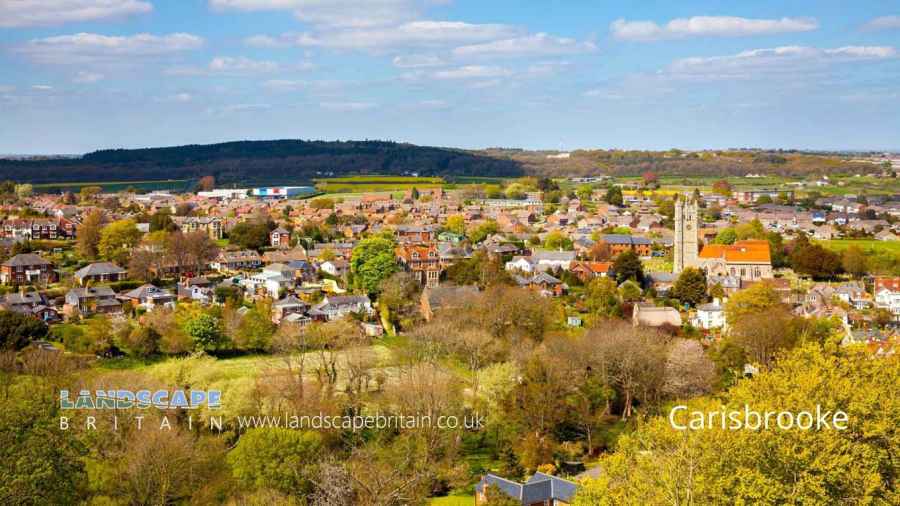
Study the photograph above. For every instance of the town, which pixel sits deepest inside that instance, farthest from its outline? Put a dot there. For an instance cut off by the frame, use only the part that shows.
(448, 298)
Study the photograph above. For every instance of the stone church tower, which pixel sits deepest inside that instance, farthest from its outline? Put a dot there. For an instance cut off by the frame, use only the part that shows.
(686, 223)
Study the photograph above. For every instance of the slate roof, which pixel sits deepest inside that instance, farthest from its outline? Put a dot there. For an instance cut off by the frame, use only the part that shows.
(539, 488)
(25, 259)
(99, 269)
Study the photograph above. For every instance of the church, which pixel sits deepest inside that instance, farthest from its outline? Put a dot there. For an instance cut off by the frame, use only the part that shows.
(748, 260)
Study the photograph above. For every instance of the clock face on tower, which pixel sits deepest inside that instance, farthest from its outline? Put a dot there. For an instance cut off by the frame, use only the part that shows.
(688, 226)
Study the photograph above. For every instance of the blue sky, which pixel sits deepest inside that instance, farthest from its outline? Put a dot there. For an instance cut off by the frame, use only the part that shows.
(79, 75)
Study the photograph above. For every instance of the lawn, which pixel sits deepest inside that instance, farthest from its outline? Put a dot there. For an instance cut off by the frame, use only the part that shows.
(867, 245)
(453, 500)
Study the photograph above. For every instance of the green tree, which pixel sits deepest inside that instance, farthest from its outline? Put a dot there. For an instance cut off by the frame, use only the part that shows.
(726, 236)
(206, 331)
(628, 266)
(17, 330)
(250, 235)
(118, 239)
(690, 287)
(753, 229)
(602, 297)
(759, 298)
(495, 496)
(88, 237)
(614, 196)
(722, 187)
(322, 203)
(556, 240)
(854, 261)
(813, 260)
(255, 330)
(162, 220)
(456, 223)
(371, 262)
(482, 231)
(39, 463)
(276, 458)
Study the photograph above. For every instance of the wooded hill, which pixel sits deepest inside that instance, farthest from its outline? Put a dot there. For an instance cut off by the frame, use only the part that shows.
(298, 160)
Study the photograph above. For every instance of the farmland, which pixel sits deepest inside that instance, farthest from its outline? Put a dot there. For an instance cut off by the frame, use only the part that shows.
(368, 184)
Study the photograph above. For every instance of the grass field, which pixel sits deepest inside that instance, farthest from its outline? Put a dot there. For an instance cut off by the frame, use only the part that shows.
(867, 245)
(453, 500)
(116, 186)
(364, 184)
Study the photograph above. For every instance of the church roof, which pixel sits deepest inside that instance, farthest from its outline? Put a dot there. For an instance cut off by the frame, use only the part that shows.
(748, 251)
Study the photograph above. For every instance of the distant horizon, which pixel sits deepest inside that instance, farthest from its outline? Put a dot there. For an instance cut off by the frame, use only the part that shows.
(895, 151)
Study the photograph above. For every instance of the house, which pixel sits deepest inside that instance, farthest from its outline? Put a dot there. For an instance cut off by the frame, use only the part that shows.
(416, 233)
(239, 260)
(210, 225)
(91, 300)
(100, 272)
(272, 279)
(543, 283)
(710, 316)
(337, 267)
(887, 295)
(280, 238)
(149, 297)
(886, 235)
(423, 261)
(287, 306)
(438, 298)
(587, 271)
(31, 303)
(620, 243)
(26, 268)
(197, 292)
(661, 282)
(338, 306)
(551, 260)
(540, 490)
(651, 316)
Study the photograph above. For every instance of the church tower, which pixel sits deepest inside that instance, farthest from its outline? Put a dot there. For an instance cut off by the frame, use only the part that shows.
(686, 243)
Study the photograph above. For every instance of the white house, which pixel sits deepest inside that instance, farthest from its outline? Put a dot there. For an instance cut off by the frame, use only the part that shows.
(520, 264)
(890, 300)
(710, 316)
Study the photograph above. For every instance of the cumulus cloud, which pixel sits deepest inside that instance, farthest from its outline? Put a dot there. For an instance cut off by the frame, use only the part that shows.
(334, 13)
(784, 59)
(537, 44)
(706, 26)
(21, 13)
(92, 47)
(85, 77)
(412, 34)
(236, 66)
(884, 23)
(41, 87)
(284, 85)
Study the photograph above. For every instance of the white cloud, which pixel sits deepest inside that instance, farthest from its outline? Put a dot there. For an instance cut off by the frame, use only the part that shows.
(348, 106)
(334, 13)
(416, 61)
(241, 65)
(472, 72)
(92, 47)
(537, 44)
(883, 23)
(265, 41)
(237, 108)
(412, 34)
(41, 87)
(181, 98)
(236, 67)
(784, 59)
(84, 77)
(7, 89)
(432, 104)
(19, 13)
(703, 26)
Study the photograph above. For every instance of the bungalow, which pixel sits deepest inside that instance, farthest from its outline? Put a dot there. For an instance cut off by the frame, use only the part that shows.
(541, 489)
(149, 297)
(543, 283)
(587, 271)
(100, 272)
(338, 306)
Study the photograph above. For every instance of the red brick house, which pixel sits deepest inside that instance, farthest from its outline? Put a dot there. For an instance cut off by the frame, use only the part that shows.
(423, 261)
(27, 268)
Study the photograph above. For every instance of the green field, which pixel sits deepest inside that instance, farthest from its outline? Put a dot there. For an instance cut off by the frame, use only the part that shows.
(868, 245)
(116, 186)
(453, 500)
(366, 184)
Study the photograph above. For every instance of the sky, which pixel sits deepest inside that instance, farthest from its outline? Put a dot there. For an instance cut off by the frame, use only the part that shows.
(80, 75)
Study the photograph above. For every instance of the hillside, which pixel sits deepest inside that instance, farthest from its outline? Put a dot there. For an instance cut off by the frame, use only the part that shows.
(298, 160)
